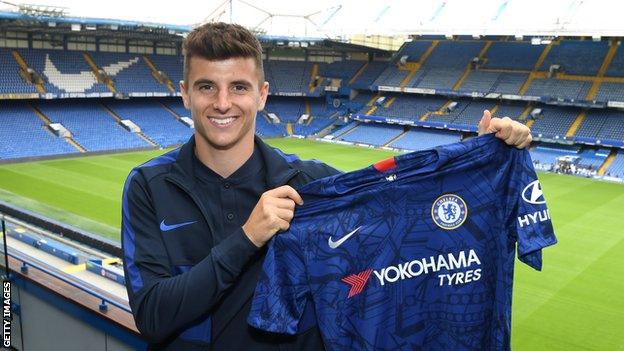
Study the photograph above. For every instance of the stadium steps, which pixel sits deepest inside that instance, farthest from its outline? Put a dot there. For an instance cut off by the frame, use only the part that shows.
(440, 111)
(373, 99)
(397, 137)
(608, 161)
(524, 114)
(41, 115)
(591, 94)
(347, 132)
(408, 78)
(24, 68)
(371, 110)
(534, 73)
(576, 124)
(428, 52)
(71, 141)
(112, 113)
(468, 69)
(147, 139)
(390, 102)
(307, 109)
(313, 75)
(289, 128)
(358, 73)
(173, 113)
(159, 77)
(96, 71)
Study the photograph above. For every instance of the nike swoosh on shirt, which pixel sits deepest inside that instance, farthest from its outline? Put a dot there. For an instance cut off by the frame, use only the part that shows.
(165, 228)
(334, 244)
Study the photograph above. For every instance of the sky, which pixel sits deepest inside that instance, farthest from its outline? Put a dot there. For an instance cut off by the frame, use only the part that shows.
(322, 18)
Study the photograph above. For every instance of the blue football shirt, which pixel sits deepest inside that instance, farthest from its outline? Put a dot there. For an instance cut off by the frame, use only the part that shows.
(415, 252)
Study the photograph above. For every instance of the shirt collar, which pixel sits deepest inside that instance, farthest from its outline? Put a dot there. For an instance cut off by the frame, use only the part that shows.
(252, 167)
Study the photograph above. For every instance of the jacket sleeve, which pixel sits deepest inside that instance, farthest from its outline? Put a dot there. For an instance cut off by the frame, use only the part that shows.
(163, 303)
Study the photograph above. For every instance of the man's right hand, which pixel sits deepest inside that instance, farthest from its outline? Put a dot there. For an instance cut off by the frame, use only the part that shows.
(272, 213)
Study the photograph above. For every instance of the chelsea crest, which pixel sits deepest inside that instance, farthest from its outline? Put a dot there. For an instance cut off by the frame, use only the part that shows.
(449, 211)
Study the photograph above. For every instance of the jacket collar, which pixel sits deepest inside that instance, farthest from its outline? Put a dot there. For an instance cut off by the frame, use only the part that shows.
(278, 169)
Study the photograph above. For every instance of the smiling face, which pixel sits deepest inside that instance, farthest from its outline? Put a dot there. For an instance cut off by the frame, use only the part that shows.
(224, 97)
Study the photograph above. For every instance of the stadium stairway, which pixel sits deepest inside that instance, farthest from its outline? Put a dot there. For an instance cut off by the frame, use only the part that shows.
(159, 77)
(468, 68)
(141, 135)
(46, 121)
(440, 111)
(289, 128)
(534, 73)
(591, 94)
(608, 161)
(24, 68)
(576, 124)
(347, 132)
(96, 71)
(414, 67)
(313, 74)
(358, 73)
(173, 113)
(372, 105)
(397, 137)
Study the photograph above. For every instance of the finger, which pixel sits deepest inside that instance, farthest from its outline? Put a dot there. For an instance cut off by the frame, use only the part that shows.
(502, 127)
(282, 224)
(484, 123)
(285, 203)
(289, 192)
(284, 214)
(526, 142)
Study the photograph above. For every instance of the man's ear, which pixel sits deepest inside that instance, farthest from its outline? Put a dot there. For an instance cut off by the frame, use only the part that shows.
(184, 94)
(264, 92)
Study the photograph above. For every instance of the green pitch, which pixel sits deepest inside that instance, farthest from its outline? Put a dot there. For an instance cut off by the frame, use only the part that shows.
(575, 303)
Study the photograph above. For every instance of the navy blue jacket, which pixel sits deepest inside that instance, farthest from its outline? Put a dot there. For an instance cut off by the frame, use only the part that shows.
(176, 275)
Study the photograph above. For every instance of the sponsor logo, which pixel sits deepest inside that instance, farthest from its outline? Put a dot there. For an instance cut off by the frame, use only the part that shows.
(533, 194)
(391, 177)
(334, 244)
(534, 218)
(448, 265)
(449, 211)
(165, 228)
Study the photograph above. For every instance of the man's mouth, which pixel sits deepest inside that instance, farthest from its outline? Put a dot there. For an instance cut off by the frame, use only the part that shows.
(222, 122)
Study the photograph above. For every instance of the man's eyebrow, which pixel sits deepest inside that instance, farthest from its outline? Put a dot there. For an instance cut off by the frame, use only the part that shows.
(202, 81)
(241, 82)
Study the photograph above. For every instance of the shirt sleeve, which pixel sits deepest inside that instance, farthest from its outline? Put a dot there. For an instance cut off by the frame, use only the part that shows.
(529, 218)
(282, 292)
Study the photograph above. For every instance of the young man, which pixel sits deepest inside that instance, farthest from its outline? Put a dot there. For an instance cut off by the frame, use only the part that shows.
(195, 220)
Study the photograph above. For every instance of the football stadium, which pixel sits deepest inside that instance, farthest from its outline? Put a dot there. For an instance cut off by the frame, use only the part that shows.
(84, 101)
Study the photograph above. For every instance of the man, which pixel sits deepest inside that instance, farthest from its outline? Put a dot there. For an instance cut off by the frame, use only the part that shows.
(195, 220)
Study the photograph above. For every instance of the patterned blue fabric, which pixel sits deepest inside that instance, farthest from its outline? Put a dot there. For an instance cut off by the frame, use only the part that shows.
(415, 256)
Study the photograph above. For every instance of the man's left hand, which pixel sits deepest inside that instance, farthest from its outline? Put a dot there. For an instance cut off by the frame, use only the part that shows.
(511, 132)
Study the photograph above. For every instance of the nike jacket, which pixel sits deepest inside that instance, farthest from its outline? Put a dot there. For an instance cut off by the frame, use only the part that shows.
(176, 274)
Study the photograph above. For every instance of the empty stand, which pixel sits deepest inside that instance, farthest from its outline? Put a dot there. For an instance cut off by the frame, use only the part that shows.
(420, 139)
(373, 134)
(129, 72)
(577, 57)
(512, 55)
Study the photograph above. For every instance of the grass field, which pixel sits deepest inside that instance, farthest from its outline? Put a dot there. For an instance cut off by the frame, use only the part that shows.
(575, 303)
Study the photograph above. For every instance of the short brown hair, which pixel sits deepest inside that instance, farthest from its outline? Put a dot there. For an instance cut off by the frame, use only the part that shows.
(221, 41)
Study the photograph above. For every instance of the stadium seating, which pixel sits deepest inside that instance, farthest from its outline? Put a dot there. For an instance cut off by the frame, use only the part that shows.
(610, 92)
(391, 76)
(171, 65)
(592, 158)
(268, 130)
(420, 139)
(413, 50)
(12, 81)
(129, 72)
(569, 89)
(288, 76)
(340, 69)
(288, 109)
(90, 124)
(494, 82)
(549, 155)
(602, 125)
(511, 110)
(63, 71)
(368, 76)
(153, 119)
(410, 106)
(23, 134)
(617, 167)
(177, 106)
(616, 68)
(554, 121)
(373, 134)
(576, 56)
(512, 55)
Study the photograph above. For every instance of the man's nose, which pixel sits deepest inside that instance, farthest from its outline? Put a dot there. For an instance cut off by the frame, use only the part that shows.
(222, 102)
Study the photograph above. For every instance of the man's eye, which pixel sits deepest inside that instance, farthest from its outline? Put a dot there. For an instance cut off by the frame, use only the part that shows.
(240, 88)
(205, 87)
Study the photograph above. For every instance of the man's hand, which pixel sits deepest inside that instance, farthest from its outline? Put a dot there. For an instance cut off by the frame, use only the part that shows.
(272, 213)
(510, 131)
